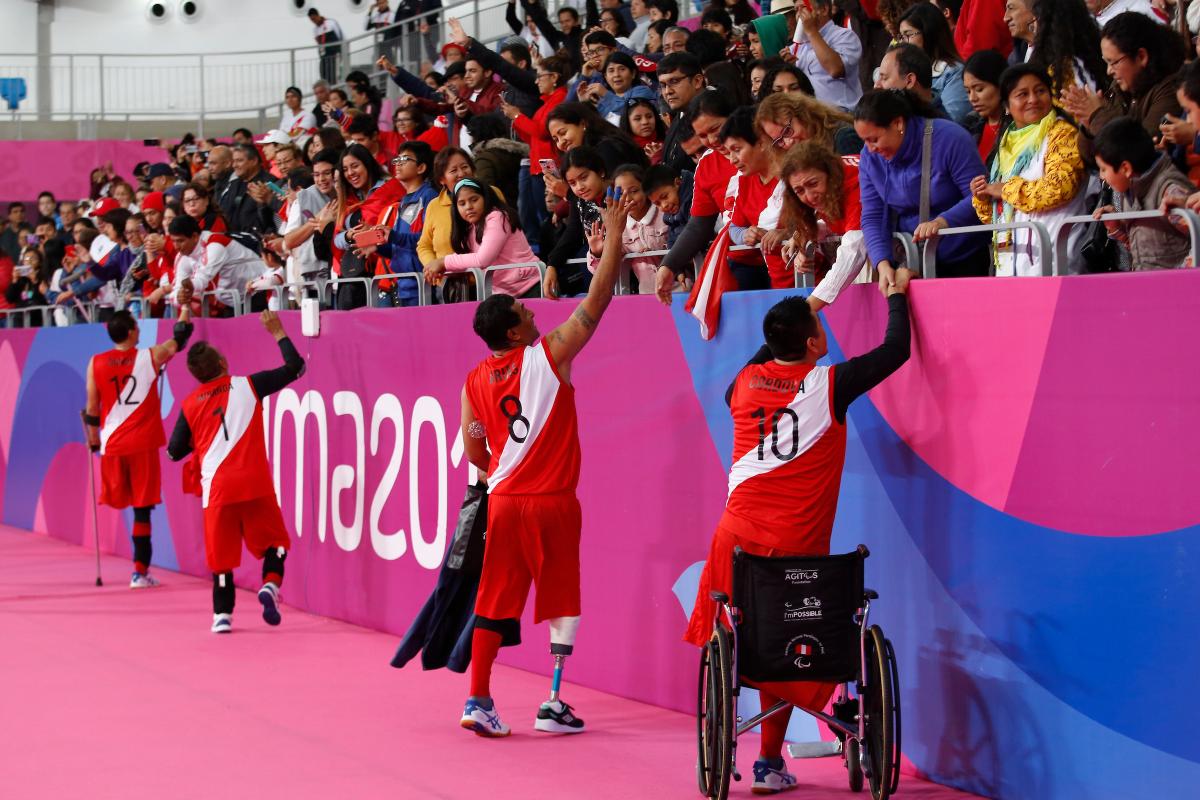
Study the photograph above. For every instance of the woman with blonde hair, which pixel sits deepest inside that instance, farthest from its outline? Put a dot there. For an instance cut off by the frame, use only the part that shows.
(821, 203)
(787, 118)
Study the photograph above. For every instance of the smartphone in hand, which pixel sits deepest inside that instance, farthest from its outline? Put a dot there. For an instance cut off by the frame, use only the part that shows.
(550, 167)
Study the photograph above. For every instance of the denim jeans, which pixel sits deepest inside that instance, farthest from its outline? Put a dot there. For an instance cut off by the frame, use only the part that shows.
(531, 206)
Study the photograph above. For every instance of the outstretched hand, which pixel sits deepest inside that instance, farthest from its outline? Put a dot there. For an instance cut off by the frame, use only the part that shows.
(270, 321)
(457, 34)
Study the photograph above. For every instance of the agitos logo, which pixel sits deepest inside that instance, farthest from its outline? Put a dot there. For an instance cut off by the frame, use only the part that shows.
(801, 575)
(802, 649)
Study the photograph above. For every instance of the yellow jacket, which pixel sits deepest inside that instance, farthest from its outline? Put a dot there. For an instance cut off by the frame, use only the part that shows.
(435, 235)
(1062, 177)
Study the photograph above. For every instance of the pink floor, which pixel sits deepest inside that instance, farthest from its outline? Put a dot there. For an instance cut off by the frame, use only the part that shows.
(115, 693)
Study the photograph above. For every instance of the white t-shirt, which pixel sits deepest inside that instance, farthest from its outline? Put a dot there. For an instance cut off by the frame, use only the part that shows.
(299, 125)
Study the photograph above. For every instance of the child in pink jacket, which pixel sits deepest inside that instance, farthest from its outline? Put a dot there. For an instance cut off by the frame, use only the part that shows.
(485, 232)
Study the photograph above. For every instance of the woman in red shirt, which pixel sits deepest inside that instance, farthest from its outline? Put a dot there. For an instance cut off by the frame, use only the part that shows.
(821, 202)
(752, 216)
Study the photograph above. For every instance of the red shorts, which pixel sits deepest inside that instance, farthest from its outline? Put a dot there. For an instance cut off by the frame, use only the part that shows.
(133, 479)
(258, 522)
(718, 577)
(531, 538)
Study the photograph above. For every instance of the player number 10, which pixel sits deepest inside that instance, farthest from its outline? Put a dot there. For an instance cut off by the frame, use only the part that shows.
(761, 416)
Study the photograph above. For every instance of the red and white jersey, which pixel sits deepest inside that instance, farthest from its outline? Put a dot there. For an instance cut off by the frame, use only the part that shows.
(225, 417)
(221, 261)
(788, 452)
(130, 413)
(529, 415)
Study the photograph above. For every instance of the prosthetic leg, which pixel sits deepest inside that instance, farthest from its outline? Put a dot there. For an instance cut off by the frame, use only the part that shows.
(555, 716)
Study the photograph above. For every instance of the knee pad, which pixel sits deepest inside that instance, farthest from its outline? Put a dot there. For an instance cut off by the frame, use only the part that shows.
(562, 635)
(223, 593)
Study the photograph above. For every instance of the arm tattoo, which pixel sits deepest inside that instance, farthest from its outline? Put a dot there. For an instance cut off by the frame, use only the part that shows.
(584, 318)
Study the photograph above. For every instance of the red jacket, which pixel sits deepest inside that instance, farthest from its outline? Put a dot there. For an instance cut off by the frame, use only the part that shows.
(534, 131)
(981, 27)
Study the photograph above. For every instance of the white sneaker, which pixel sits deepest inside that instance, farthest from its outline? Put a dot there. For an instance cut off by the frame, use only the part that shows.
(557, 717)
(141, 580)
(769, 780)
(483, 721)
(268, 595)
(222, 623)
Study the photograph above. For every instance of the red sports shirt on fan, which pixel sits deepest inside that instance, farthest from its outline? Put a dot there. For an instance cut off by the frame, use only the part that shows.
(225, 417)
(710, 187)
(758, 204)
(130, 414)
(788, 451)
(529, 415)
(851, 202)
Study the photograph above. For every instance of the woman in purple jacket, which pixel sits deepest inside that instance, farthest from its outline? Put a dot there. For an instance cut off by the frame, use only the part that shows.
(892, 125)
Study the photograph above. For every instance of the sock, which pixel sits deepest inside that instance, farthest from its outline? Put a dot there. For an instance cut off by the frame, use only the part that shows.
(773, 728)
(485, 645)
(223, 593)
(272, 569)
(142, 551)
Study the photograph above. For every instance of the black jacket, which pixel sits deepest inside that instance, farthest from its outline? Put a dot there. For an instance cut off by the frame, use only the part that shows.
(242, 214)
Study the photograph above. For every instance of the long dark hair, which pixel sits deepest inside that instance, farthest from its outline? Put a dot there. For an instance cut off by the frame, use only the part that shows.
(375, 172)
(1165, 49)
(660, 130)
(596, 128)
(935, 32)
(460, 229)
(1067, 31)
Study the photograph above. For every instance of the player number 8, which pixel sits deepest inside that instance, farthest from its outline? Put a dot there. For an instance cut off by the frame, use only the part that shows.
(510, 401)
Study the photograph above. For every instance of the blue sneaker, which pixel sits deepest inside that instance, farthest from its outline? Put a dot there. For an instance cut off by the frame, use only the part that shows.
(772, 777)
(484, 721)
(222, 623)
(143, 580)
(268, 595)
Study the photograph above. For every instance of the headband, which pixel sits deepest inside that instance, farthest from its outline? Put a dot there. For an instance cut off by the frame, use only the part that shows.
(467, 182)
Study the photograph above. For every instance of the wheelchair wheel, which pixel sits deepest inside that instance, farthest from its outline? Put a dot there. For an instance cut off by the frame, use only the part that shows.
(876, 692)
(715, 719)
(853, 767)
(704, 715)
(891, 657)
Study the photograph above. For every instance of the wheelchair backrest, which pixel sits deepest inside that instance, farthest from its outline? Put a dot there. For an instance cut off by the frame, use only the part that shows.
(797, 616)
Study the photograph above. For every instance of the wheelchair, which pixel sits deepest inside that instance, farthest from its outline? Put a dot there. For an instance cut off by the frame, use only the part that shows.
(800, 619)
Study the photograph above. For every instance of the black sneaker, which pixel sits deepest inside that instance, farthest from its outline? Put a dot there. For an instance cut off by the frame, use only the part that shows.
(557, 717)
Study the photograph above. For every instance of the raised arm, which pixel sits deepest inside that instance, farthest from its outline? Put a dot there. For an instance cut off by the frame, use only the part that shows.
(270, 381)
(474, 436)
(542, 20)
(569, 338)
(162, 353)
(862, 373)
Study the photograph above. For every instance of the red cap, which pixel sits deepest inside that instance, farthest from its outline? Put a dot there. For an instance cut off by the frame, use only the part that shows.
(104, 206)
(453, 46)
(154, 201)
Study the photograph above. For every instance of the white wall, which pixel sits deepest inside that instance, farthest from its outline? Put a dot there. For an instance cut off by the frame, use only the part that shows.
(171, 83)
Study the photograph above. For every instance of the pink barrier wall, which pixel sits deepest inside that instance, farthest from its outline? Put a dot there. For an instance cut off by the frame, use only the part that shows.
(27, 168)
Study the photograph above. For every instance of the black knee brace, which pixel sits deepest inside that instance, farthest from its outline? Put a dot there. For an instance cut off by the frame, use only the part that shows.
(223, 593)
(142, 550)
(273, 560)
(142, 514)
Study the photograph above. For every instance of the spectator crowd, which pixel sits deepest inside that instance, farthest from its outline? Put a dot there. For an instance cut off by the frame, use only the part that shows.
(796, 137)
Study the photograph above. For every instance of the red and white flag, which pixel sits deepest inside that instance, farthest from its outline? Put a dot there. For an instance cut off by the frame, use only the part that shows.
(804, 649)
(715, 278)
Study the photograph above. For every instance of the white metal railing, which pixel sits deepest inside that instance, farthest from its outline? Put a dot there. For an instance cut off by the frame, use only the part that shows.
(929, 246)
(207, 86)
(1189, 217)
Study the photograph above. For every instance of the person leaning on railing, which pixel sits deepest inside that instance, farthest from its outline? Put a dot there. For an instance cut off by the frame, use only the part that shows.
(893, 125)
(1147, 180)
